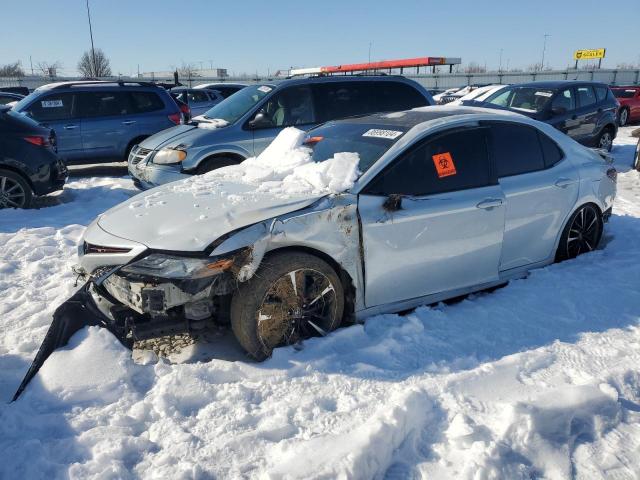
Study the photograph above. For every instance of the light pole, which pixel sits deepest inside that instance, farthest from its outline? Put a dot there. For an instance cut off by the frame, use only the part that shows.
(500, 67)
(93, 51)
(369, 52)
(544, 48)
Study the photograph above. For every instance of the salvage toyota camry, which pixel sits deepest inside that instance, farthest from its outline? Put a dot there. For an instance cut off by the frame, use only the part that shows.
(361, 216)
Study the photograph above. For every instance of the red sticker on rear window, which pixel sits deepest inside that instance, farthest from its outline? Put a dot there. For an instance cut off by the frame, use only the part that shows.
(444, 164)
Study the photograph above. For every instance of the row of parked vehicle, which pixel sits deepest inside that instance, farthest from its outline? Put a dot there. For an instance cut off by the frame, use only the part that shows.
(170, 134)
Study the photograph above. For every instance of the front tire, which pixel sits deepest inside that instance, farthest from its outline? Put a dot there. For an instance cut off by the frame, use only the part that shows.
(292, 296)
(15, 192)
(214, 163)
(581, 234)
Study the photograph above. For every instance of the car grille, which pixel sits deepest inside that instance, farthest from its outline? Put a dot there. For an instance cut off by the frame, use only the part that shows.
(138, 154)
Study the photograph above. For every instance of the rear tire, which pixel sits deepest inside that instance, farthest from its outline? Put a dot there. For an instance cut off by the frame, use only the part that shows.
(605, 140)
(15, 192)
(214, 163)
(292, 296)
(581, 234)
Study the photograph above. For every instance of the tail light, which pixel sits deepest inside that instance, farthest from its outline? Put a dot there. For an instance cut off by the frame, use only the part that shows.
(612, 173)
(176, 118)
(37, 140)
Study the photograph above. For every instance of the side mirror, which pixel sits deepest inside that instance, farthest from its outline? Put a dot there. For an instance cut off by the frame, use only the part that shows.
(260, 121)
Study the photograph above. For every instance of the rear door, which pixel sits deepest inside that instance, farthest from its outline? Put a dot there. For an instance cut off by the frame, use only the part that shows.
(447, 233)
(59, 112)
(587, 112)
(540, 188)
(148, 114)
(105, 122)
(290, 107)
(563, 110)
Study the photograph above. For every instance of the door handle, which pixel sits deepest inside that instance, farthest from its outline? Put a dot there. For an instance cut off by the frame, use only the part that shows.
(128, 122)
(489, 203)
(70, 127)
(563, 182)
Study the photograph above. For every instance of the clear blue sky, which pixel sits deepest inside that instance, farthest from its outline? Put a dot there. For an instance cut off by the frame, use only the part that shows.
(248, 35)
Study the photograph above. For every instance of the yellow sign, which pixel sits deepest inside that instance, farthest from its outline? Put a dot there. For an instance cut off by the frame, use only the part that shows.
(589, 54)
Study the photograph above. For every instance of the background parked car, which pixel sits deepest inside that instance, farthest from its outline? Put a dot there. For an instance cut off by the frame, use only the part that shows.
(7, 98)
(586, 111)
(199, 100)
(100, 121)
(28, 162)
(629, 98)
(225, 89)
(245, 123)
(479, 94)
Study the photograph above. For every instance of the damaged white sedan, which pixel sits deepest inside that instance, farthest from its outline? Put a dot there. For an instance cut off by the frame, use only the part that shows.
(359, 216)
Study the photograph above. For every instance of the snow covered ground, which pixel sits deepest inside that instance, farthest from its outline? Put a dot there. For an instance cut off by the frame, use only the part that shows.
(540, 379)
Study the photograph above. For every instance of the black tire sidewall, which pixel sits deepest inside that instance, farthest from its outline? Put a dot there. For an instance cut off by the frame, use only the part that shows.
(561, 253)
(210, 164)
(620, 117)
(28, 192)
(249, 296)
(606, 130)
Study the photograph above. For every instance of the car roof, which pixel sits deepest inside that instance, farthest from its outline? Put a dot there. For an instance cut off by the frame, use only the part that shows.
(409, 119)
(97, 84)
(341, 78)
(556, 84)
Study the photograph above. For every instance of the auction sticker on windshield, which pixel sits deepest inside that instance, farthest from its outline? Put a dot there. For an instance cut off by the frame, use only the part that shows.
(444, 164)
(51, 103)
(544, 94)
(265, 89)
(381, 133)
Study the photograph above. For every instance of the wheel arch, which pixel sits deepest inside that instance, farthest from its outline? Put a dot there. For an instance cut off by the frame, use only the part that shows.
(18, 171)
(219, 154)
(581, 203)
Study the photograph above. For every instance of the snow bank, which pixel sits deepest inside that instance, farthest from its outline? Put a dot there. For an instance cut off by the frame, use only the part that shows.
(285, 168)
(539, 379)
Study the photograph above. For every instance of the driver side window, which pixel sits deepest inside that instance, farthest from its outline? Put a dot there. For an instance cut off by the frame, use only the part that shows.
(564, 101)
(293, 106)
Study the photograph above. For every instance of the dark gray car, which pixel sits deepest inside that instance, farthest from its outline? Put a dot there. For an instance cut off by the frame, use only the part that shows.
(586, 111)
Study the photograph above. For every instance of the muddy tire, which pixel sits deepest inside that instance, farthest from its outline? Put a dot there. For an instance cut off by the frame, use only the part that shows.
(15, 192)
(292, 296)
(581, 234)
(214, 163)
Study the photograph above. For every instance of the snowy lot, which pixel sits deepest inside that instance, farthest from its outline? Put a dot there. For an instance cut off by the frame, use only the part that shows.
(540, 379)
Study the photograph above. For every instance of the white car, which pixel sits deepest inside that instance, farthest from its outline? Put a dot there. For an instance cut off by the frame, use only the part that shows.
(361, 216)
(478, 94)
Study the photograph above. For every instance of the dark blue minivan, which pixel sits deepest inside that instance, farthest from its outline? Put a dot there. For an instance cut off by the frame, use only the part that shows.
(100, 121)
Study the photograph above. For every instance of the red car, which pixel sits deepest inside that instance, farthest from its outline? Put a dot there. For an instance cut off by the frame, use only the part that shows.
(629, 98)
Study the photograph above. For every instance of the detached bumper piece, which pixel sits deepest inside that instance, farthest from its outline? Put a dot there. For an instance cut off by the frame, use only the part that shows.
(77, 312)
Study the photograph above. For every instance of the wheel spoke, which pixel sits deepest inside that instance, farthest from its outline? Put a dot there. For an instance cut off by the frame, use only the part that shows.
(3, 182)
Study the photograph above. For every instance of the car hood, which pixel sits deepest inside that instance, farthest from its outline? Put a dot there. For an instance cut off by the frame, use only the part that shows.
(188, 135)
(178, 218)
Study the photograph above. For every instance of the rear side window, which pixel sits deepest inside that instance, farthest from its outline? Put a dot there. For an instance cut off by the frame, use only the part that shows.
(515, 149)
(339, 100)
(195, 96)
(227, 91)
(143, 102)
(564, 101)
(550, 150)
(586, 96)
(394, 96)
(57, 106)
(601, 92)
(103, 104)
(452, 161)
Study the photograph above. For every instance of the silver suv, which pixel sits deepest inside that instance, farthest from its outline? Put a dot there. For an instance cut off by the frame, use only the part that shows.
(245, 123)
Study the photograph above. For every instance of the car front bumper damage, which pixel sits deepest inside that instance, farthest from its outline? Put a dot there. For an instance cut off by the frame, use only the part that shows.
(137, 307)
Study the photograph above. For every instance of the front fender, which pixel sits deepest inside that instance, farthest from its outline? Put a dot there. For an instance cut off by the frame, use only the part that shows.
(194, 159)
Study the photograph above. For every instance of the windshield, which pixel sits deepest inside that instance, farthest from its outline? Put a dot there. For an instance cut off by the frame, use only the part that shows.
(624, 92)
(528, 99)
(234, 107)
(25, 101)
(369, 141)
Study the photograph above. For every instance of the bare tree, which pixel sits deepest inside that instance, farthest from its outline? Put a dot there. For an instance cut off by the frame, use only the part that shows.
(94, 64)
(11, 70)
(49, 69)
(474, 67)
(625, 66)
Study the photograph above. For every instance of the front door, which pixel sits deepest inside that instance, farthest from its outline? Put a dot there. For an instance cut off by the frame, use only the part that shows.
(292, 107)
(58, 111)
(444, 231)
